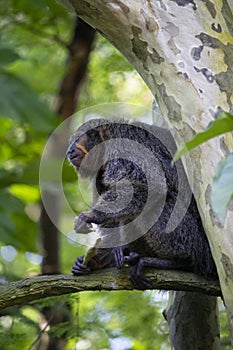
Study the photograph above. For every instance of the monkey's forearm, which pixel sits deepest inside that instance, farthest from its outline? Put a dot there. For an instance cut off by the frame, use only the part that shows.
(117, 206)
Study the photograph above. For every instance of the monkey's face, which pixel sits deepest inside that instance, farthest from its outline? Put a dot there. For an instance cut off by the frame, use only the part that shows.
(82, 153)
(77, 151)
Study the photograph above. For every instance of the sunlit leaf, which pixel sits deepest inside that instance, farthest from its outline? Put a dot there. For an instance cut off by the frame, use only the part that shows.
(220, 126)
(222, 188)
(27, 193)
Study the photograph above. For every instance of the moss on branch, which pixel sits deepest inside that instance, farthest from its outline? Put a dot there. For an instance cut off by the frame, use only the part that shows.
(34, 288)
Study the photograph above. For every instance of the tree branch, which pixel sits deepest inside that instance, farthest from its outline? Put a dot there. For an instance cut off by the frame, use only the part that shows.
(31, 289)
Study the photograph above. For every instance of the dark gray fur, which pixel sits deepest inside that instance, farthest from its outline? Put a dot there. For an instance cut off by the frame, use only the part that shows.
(186, 247)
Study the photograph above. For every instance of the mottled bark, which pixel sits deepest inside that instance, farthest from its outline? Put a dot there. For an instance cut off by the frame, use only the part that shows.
(192, 317)
(193, 322)
(183, 50)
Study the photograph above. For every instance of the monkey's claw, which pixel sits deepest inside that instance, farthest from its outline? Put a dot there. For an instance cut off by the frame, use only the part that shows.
(119, 257)
(79, 268)
(138, 278)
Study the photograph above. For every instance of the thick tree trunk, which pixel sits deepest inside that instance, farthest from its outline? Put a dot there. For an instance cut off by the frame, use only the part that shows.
(192, 317)
(193, 322)
(183, 51)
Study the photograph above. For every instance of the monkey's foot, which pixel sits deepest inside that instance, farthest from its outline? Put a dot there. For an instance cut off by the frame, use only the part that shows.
(132, 258)
(137, 264)
(138, 278)
(79, 268)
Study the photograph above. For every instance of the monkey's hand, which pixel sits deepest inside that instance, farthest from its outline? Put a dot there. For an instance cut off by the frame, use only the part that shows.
(107, 209)
(82, 223)
(118, 205)
(79, 268)
(84, 220)
(103, 257)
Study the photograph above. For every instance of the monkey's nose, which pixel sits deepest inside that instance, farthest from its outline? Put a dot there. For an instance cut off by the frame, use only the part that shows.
(73, 151)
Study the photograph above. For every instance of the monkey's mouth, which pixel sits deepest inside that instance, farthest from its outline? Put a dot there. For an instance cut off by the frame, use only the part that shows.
(75, 161)
(73, 157)
(75, 153)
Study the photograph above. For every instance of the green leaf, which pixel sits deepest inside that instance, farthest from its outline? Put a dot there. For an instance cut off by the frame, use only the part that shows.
(8, 177)
(27, 193)
(29, 174)
(13, 223)
(7, 55)
(222, 188)
(32, 9)
(10, 203)
(220, 126)
(6, 230)
(68, 173)
(25, 175)
(19, 102)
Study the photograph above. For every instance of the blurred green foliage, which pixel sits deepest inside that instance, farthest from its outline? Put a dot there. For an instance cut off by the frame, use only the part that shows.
(33, 50)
